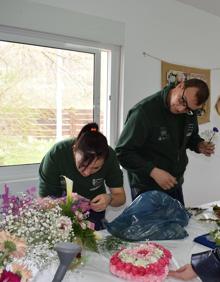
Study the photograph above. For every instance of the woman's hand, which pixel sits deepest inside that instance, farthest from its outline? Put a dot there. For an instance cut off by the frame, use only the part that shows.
(100, 202)
(185, 273)
(116, 198)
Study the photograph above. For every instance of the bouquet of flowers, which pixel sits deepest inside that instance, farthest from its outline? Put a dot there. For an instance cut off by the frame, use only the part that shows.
(29, 223)
(215, 234)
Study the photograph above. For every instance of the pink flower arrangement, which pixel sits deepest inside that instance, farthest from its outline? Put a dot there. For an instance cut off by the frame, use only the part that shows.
(77, 209)
(145, 263)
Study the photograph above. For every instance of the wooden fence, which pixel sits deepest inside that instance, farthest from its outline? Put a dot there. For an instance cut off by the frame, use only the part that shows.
(41, 123)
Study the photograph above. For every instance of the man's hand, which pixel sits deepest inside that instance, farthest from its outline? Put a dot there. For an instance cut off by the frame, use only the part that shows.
(100, 202)
(206, 148)
(185, 273)
(163, 178)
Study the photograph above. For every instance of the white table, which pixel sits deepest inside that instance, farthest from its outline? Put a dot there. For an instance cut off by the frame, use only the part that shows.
(96, 268)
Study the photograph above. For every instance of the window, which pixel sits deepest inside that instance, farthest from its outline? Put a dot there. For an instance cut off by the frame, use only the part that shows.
(48, 94)
(50, 87)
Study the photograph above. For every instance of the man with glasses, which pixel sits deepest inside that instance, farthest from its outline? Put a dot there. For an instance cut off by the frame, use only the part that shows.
(157, 132)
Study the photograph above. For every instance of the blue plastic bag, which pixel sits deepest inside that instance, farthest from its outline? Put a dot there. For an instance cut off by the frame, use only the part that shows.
(153, 215)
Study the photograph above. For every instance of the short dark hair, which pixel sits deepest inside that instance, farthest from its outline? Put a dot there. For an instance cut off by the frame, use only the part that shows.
(203, 90)
(91, 143)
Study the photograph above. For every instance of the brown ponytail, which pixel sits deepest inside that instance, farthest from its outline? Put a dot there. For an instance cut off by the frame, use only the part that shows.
(91, 143)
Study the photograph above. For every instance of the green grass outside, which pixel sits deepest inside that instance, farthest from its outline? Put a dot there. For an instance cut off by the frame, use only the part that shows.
(17, 150)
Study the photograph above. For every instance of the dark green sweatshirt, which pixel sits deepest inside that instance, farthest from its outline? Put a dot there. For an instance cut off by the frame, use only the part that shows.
(59, 161)
(155, 137)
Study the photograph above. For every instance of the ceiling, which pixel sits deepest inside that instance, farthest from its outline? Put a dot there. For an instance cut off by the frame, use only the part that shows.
(210, 6)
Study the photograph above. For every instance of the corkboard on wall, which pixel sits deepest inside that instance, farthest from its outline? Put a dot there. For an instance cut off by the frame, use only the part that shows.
(172, 73)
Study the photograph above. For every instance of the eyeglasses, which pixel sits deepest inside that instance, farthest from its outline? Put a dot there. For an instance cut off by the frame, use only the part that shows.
(190, 112)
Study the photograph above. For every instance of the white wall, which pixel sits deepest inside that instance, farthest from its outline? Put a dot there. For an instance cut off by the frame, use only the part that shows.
(167, 29)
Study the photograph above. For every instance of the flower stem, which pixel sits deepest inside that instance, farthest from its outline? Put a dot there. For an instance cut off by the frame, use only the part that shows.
(210, 139)
(4, 256)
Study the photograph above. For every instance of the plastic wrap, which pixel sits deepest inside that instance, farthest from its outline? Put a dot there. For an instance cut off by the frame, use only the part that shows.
(153, 215)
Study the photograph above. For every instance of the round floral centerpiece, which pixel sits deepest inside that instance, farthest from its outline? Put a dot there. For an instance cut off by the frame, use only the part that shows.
(146, 262)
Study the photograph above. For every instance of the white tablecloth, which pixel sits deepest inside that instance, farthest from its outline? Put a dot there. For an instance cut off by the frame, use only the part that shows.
(96, 267)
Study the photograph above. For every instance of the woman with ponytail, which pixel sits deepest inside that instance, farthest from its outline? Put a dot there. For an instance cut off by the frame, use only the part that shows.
(92, 166)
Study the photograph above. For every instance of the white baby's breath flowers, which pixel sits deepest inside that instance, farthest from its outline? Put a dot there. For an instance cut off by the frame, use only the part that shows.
(39, 226)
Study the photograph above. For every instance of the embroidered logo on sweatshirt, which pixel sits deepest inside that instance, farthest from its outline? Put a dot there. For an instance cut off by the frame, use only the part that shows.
(97, 183)
(164, 135)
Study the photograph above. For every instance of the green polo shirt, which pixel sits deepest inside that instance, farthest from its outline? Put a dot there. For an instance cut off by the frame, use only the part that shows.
(59, 161)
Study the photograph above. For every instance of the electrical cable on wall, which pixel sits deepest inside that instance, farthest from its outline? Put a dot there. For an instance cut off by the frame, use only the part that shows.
(145, 54)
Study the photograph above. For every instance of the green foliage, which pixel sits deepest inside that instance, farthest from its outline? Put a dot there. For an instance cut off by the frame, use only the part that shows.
(10, 246)
(85, 236)
(110, 244)
(216, 236)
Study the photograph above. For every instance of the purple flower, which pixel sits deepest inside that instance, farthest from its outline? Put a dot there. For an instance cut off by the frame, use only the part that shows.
(83, 205)
(215, 129)
(16, 201)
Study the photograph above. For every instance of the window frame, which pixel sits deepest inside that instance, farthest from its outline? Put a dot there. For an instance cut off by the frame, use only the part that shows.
(29, 172)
